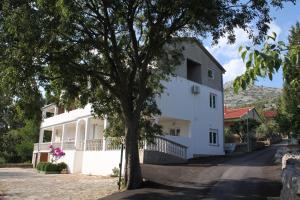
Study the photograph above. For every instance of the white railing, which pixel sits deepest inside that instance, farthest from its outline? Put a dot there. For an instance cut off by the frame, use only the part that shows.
(44, 146)
(164, 145)
(69, 145)
(94, 145)
(56, 144)
(111, 144)
(80, 146)
(159, 144)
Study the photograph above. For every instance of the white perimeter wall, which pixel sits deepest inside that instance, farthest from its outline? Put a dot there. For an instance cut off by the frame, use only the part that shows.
(68, 158)
(101, 162)
(178, 102)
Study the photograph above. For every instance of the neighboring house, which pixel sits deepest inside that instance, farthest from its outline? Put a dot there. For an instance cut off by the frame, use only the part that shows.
(270, 115)
(192, 120)
(232, 115)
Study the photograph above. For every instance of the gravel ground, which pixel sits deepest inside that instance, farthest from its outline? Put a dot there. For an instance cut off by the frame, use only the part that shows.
(17, 183)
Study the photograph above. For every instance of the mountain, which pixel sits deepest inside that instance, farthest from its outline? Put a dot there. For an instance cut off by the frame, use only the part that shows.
(266, 97)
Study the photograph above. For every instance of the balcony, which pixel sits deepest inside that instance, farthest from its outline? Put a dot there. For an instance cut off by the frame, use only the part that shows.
(45, 146)
(67, 117)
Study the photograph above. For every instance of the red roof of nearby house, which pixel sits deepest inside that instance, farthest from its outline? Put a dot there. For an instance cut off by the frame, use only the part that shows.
(270, 114)
(234, 113)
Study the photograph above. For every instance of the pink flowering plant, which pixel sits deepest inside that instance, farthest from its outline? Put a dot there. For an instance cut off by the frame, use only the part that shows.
(56, 153)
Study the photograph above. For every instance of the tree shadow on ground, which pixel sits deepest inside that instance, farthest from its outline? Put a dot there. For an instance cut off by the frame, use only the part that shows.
(252, 188)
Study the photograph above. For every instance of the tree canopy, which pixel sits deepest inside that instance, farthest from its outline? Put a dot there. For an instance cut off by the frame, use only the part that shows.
(113, 54)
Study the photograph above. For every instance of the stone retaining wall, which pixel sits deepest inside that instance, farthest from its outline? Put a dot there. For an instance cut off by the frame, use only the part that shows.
(289, 157)
(291, 181)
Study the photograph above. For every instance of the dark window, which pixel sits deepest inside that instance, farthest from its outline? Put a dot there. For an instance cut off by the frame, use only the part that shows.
(47, 136)
(49, 114)
(175, 131)
(211, 73)
(193, 71)
(212, 100)
(213, 137)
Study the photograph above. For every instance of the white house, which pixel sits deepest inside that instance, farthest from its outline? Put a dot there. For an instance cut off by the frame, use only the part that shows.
(192, 120)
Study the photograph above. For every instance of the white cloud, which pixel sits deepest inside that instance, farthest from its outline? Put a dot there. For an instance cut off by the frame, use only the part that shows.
(230, 50)
(234, 68)
(229, 55)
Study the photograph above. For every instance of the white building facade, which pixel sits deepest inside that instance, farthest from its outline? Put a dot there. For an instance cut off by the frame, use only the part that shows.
(192, 120)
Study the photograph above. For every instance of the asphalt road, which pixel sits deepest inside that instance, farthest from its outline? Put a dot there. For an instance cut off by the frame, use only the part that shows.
(249, 176)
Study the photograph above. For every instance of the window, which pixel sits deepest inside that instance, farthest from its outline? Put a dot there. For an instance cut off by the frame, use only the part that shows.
(212, 100)
(213, 137)
(211, 73)
(174, 131)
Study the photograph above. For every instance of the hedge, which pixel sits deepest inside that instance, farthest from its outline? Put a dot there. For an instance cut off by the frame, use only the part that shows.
(51, 167)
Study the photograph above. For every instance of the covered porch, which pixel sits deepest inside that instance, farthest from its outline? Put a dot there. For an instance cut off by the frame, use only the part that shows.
(81, 135)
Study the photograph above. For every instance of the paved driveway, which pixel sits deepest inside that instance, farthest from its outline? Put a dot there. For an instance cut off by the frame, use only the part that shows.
(17, 183)
(249, 176)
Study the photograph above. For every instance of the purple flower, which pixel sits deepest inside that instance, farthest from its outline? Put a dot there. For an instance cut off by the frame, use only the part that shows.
(56, 153)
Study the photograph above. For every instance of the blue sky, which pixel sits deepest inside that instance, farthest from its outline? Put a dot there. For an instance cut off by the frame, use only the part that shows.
(228, 54)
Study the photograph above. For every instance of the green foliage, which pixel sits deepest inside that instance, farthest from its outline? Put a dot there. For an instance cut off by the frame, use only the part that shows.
(17, 144)
(2, 160)
(240, 128)
(115, 172)
(51, 167)
(269, 59)
(267, 130)
(40, 166)
(62, 166)
(289, 110)
(227, 134)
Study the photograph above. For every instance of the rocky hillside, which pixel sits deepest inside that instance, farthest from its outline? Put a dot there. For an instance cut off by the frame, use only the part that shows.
(267, 97)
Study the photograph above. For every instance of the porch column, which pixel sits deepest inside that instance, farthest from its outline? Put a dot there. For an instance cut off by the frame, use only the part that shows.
(55, 110)
(52, 134)
(76, 134)
(86, 132)
(104, 127)
(62, 136)
(41, 137)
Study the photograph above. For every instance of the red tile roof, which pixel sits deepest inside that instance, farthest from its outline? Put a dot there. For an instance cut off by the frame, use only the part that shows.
(235, 113)
(270, 114)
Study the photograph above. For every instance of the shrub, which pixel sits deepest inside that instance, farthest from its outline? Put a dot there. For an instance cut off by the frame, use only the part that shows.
(115, 172)
(40, 166)
(61, 166)
(2, 160)
(51, 167)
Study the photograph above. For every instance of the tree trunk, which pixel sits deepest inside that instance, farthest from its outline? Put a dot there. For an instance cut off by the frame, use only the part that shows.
(133, 175)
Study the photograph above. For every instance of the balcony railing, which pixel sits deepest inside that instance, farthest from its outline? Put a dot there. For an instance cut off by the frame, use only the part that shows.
(44, 146)
(69, 145)
(80, 146)
(111, 144)
(164, 145)
(159, 144)
(56, 144)
(94, 145)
